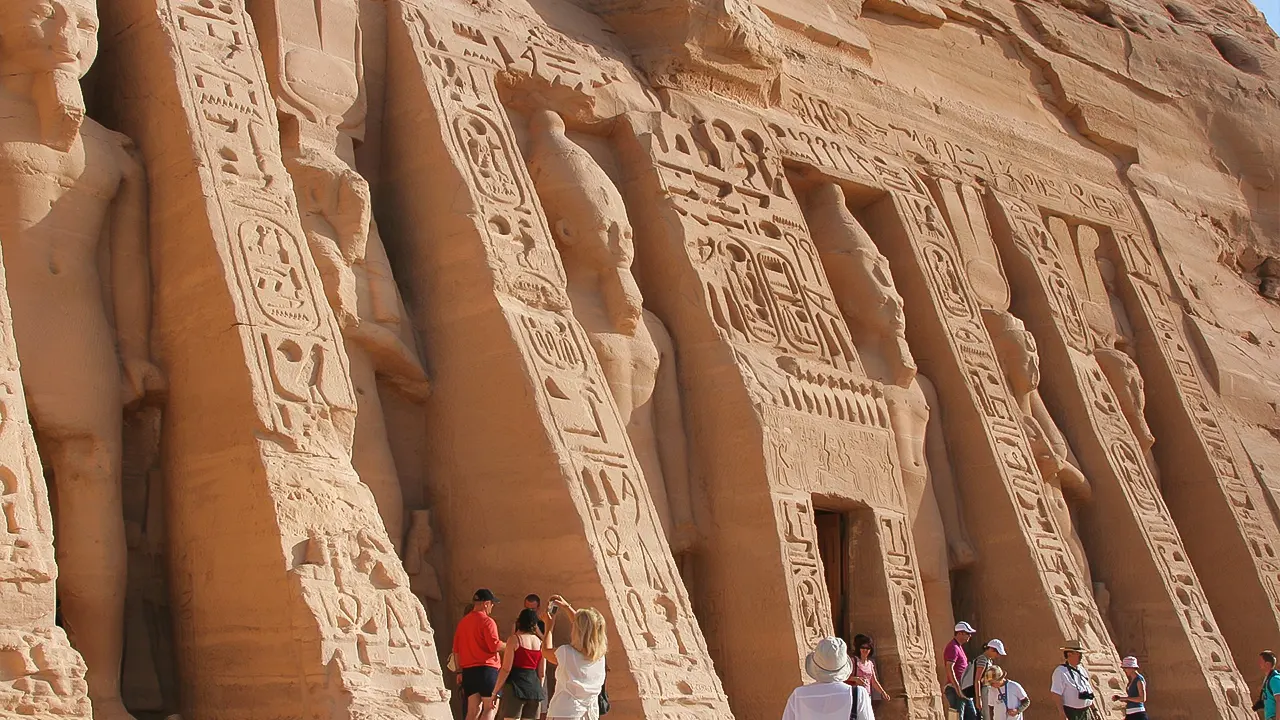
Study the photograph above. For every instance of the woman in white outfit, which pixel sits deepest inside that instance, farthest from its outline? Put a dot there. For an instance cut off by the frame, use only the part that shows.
(579, 665)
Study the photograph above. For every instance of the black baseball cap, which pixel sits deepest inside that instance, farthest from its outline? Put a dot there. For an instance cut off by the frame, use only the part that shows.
(484, 595)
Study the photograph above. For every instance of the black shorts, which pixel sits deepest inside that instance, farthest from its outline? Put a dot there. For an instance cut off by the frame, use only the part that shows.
(479, 681)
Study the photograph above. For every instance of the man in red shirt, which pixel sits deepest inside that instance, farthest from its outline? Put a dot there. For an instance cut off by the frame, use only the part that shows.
(478, 649)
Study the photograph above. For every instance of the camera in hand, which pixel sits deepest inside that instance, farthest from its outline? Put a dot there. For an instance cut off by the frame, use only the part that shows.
(1086, 695)
(554, 607)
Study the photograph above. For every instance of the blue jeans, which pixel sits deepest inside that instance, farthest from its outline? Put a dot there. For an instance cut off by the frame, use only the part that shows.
(961, 704)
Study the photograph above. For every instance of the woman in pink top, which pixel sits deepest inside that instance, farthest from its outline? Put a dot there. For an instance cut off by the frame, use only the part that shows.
(864, 667)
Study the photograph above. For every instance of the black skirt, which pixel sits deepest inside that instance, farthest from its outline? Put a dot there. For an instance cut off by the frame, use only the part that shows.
(525, 684)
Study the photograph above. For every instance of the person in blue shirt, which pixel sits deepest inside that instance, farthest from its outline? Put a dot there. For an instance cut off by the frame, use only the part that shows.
(1135, 697)
(1270, 685)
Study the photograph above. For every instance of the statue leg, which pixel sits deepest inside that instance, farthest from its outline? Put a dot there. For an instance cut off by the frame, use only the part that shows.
(371, 453)
(92, 561)
(935, 575)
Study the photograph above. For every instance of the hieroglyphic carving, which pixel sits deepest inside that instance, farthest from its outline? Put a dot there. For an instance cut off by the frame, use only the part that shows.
(667, 652)
(809, 455)
(1111, 431)
(312, 408)
(1149, 300)
(43, 676)
(845, 127)
(804, 568)
(763, 282)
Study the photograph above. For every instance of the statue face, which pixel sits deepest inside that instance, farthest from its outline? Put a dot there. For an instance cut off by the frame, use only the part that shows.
(890, 310)
(46, 35)
(1025, 360)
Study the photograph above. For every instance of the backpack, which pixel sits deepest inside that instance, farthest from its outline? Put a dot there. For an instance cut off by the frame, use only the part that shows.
(966, 680)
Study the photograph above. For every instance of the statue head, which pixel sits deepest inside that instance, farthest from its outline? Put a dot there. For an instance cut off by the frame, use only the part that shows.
(53, 42)
(878, 310)
(587, 217)
(1016, 348)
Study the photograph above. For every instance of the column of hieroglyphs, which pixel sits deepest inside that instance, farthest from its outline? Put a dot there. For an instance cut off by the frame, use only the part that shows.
(779, 406)
(1223, 517)
(1002, 483)
(312, 52)
(524, 424)
(291, 598)
(1126, 510)
(44, 677)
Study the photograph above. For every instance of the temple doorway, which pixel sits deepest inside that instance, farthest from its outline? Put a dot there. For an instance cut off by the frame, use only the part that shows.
(833, 547)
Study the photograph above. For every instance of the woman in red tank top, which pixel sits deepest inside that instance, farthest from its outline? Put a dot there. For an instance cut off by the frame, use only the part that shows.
(520, 679)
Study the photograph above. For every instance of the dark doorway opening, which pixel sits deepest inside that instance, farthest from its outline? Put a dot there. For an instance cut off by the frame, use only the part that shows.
(833, 547)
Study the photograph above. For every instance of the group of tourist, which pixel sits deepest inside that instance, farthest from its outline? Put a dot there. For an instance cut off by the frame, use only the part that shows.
(847, 686)
(509, 679)
(980, 689)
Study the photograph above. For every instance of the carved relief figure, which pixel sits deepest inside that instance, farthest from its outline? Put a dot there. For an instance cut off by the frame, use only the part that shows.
(589, 222)
(864, 290)
(313, 53)
(1019, 357)
(66, 184)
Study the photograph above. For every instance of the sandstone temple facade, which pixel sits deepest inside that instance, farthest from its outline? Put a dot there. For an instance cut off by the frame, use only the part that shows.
(747, 322)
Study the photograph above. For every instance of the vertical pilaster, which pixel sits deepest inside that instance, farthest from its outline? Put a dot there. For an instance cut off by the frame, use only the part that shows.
(289, 599)
(1228, 531)
(538, 485)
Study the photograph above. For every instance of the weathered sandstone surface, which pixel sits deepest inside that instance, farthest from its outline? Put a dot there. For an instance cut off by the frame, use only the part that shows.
(745, 322)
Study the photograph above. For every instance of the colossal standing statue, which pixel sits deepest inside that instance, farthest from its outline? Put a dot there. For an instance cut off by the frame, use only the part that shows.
(313, 56)
(864, 290)
(66, 185)
(589, 222)
(1018, 355)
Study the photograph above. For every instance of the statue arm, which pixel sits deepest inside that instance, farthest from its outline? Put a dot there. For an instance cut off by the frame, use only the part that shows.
(940, 472)
(392, 358)
(131, 276)
(1069, 475)
(672, 442)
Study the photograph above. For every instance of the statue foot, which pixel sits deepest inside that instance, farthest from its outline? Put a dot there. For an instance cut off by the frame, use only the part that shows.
(963, 556)
(110, 710)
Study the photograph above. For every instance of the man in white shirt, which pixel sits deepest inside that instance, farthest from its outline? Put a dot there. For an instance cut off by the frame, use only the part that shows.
(829, 698)
(1071, 684)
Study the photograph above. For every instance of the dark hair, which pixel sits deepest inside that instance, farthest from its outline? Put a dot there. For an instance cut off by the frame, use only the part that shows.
(533, 598)
(1268, 656)
(527, 621)
(861, 641)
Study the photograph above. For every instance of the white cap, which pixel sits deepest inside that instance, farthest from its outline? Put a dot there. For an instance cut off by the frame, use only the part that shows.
(965, 627)
(997, 646)
(1129, 662)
